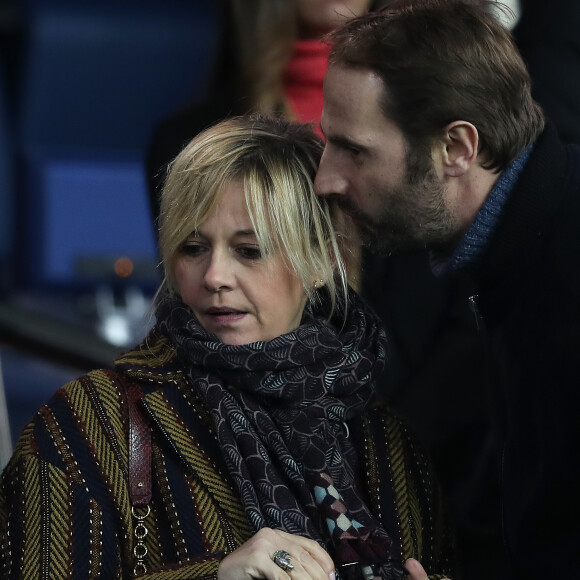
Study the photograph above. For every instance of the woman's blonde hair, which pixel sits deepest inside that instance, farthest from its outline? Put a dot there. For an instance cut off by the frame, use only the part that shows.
(275, 161)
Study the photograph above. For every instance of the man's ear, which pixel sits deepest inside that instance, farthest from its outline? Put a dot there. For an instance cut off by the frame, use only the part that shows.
(460, 148)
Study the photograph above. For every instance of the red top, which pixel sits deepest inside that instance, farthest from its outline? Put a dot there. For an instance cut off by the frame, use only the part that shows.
(303, 79)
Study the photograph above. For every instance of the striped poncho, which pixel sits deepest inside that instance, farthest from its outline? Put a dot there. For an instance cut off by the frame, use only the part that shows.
(65, 510)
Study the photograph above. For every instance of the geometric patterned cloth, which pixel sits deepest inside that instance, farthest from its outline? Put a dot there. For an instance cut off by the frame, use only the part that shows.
(279, 410)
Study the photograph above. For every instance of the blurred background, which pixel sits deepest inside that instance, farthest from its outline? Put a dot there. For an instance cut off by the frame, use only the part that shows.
(82, 85)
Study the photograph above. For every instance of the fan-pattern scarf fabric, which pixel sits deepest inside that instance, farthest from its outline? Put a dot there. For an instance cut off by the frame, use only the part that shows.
(279, 409)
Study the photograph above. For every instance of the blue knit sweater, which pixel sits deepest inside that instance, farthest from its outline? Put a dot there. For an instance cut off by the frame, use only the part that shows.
(467, 254)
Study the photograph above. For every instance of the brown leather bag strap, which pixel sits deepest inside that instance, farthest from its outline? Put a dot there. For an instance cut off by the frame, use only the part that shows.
(139, 449)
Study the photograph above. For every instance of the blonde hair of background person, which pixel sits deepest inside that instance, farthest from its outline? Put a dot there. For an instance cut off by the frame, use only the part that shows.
(278, 186)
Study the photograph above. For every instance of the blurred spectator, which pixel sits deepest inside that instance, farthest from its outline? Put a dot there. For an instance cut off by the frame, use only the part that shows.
(271, 60)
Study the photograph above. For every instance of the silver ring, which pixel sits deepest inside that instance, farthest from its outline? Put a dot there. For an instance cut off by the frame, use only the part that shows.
(283, 559)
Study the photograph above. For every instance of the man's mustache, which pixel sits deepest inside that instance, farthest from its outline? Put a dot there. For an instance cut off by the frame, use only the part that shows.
(352, 211)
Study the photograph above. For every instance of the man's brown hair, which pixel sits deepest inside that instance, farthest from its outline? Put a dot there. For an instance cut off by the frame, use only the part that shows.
(443, 61)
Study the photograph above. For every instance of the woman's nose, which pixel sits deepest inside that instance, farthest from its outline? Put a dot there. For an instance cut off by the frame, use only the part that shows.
(219, 274)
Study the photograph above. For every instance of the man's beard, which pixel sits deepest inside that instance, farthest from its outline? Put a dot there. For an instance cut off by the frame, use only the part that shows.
(413, 217)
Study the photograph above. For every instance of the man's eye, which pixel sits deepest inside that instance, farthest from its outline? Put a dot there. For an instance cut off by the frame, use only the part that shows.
(250, 252)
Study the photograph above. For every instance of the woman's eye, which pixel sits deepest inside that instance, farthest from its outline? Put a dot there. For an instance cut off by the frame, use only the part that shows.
(192, 249)
(250, 252)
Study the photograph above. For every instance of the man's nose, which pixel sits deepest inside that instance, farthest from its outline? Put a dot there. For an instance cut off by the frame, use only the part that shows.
(329, 179)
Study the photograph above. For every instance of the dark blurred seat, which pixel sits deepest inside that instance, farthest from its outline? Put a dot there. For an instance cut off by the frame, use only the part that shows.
(97, 77)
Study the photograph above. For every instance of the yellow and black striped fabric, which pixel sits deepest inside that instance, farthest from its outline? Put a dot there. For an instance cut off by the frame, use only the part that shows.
(65, 510)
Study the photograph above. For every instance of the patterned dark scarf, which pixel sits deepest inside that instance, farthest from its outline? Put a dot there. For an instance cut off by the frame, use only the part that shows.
(279, 409)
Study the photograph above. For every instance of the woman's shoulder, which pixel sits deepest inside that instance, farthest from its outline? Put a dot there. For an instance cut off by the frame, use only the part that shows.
(95, 399)
(154, 360)
(82, 423)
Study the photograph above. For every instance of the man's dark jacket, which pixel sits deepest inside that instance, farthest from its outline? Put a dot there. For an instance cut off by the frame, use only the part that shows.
(528, 300)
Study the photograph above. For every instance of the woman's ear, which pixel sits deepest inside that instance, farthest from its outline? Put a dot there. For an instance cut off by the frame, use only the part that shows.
(460, 146)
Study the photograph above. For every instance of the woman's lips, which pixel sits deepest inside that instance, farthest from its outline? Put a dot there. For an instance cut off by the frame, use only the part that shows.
(225, 316)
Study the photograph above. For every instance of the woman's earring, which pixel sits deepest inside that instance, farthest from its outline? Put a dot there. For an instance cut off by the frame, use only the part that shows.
(318, 283)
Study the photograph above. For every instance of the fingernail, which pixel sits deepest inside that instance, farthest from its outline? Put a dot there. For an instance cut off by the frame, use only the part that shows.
(332, 576)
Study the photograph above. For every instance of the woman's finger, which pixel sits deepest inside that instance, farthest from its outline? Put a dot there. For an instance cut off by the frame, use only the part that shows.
(308, 552)
(416, 571)
(256, 559)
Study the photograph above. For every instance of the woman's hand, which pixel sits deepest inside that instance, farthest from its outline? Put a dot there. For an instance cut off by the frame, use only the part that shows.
(253, 559)
(416, 571)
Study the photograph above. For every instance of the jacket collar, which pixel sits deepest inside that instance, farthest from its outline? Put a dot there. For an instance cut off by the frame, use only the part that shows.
(536, 197)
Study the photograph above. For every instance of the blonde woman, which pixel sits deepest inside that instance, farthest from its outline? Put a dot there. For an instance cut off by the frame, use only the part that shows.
(240, 439)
